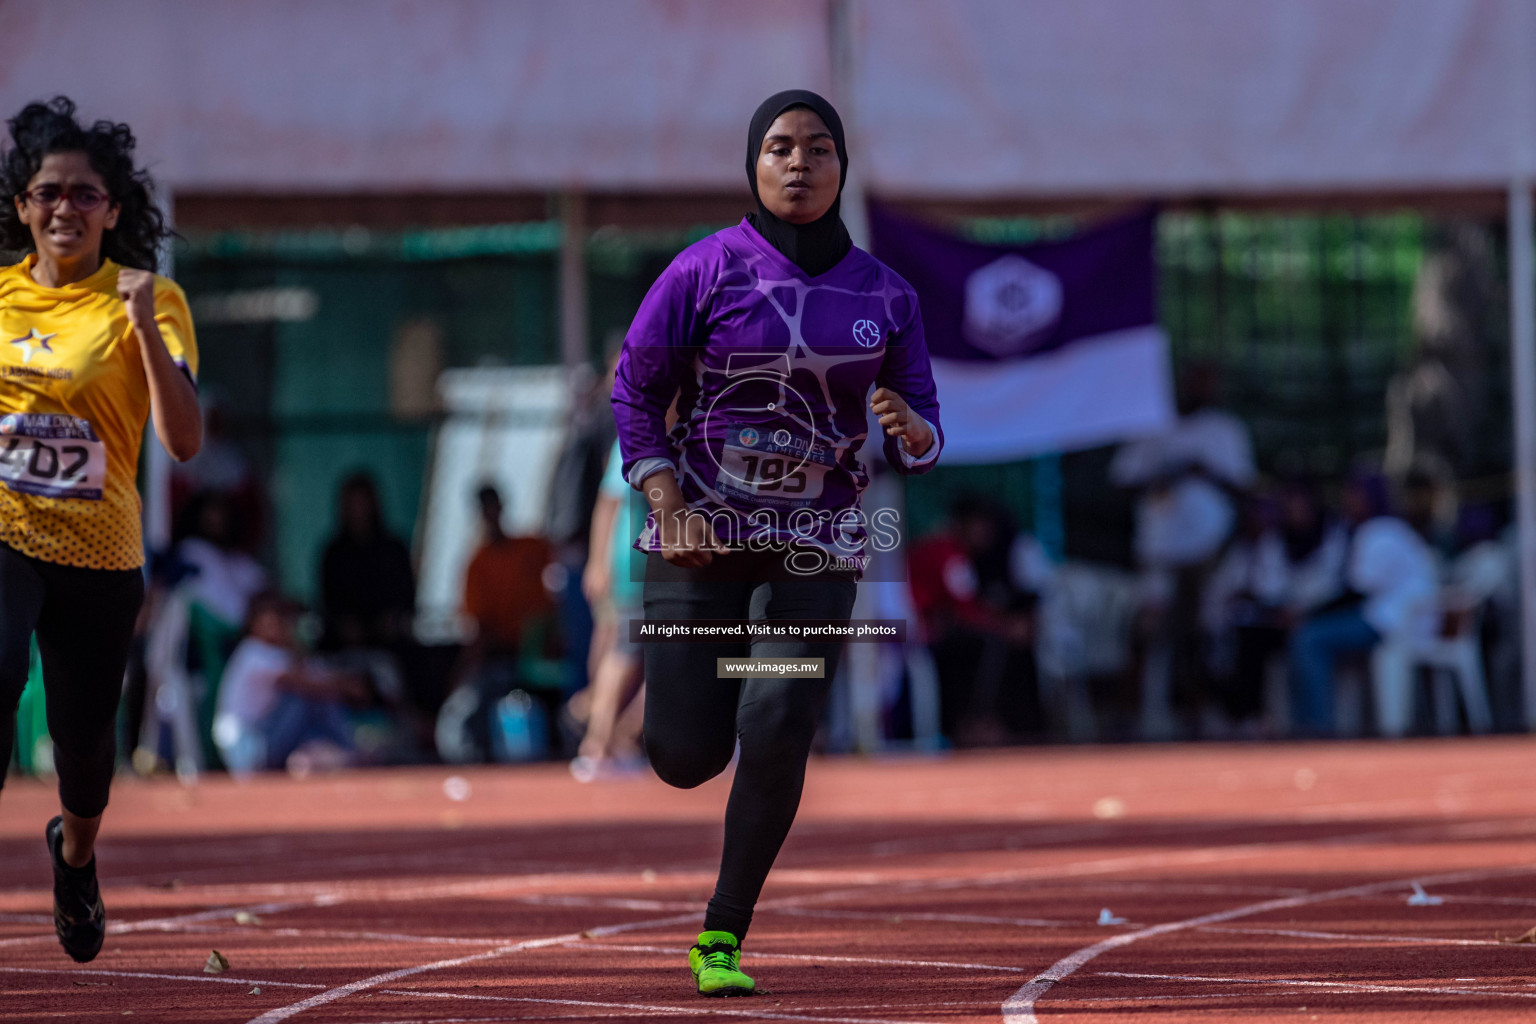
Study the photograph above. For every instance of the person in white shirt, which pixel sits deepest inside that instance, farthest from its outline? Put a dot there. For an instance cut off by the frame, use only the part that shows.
(271, 701)
(1391, 581)
(1187, 479)
(1287, 561)
(224, 578)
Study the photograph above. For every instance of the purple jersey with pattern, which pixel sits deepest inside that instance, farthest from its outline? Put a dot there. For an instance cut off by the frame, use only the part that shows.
(772, 371)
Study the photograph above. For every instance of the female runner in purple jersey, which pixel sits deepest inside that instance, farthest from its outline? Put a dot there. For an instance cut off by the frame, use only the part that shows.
(770, 336)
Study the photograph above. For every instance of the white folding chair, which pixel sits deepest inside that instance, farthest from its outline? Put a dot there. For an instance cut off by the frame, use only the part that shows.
(1453, 655)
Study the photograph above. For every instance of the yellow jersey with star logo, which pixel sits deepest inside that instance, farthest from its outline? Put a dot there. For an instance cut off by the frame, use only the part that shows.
(73, 403)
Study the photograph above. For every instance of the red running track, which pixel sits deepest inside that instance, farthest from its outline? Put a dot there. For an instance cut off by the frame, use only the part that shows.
(1253, 882)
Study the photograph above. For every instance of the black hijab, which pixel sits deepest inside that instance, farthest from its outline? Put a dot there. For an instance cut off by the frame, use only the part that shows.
(818, 246)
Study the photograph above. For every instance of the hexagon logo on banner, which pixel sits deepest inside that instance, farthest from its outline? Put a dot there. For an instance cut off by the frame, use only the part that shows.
(1009, 302)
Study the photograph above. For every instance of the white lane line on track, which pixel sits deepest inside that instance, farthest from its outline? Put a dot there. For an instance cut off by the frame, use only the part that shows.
(584, 1015)
(630, 1008)
(357, 866)
(170, 924)
(1137, 1000)
(587, 1015)
(486, 887)
(490, 887)
(652, 1009)
(1339, 986)
(1510, 901)
(258, 931)
(1110, 864)
(1200, 890)
(341, 991)
(886, 961)
(611, 903)
(331, 894)
(1162, 859)
(901, 917)
(1019, 1008)
(167, 924)
(470, 854)
(375, 889)
(1356, 937)
(480, 888)
(218, 979)
(284, 1013)
(894, 1006)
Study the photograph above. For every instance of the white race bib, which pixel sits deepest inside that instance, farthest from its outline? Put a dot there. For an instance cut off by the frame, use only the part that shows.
(772, 466)
(52, 456)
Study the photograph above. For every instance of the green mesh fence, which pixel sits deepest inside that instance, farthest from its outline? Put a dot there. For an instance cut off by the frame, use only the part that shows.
(1309, 316)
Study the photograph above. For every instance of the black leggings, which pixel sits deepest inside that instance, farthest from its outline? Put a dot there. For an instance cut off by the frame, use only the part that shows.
(693, 719)
(84, 622)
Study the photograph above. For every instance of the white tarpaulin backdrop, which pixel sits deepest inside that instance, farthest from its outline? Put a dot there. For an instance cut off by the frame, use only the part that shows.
(961, 97)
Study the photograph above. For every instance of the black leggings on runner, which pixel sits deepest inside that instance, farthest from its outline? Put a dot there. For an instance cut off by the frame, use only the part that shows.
(84, 623)
(693, 719)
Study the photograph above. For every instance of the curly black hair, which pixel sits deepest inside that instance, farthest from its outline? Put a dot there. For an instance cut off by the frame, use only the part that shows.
(44, 128)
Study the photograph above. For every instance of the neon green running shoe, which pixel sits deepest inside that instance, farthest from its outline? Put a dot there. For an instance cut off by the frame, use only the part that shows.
(715, 964)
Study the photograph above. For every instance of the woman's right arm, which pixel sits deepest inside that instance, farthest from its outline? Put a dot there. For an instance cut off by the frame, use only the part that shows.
(658, 351)
(686, 540)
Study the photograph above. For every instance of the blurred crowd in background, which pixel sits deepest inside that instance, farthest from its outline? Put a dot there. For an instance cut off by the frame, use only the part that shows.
(406, 539)
(1247, 605)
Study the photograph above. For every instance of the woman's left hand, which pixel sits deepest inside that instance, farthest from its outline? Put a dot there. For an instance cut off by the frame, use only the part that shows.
(897, 419)
(137, 290)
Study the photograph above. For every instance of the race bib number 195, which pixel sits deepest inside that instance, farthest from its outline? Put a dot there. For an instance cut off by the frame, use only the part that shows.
(775, 468)
(52, 456)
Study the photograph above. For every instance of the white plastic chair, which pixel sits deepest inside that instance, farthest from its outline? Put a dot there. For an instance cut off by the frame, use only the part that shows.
(172, 692)
(1086, 620)
(1454, 656)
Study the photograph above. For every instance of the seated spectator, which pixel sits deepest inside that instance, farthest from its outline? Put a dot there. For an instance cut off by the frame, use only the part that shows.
(1286, 560)
(223, 577)
(274, 700)
(1186, 480)
(368, 602)
(978, 627)
(1391, 583)
(503, 595)
(221, 466)
(367, 587)
(219, 583)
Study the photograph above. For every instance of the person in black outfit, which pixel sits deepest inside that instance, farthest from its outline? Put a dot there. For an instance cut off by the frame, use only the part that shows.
(714, 546)
(367, 588)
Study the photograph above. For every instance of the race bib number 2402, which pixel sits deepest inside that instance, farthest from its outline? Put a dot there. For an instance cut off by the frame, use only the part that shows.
(52, 456)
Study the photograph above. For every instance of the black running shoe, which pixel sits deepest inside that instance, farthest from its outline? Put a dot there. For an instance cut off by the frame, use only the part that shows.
(78, 916)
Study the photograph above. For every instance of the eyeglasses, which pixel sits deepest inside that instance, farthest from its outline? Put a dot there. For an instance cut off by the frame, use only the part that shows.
(83, 198)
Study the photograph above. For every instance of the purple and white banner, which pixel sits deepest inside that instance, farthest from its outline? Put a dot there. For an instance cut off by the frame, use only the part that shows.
(1037, 349)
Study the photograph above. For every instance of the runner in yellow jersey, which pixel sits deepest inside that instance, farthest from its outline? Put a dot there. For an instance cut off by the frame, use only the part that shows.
(92, 345)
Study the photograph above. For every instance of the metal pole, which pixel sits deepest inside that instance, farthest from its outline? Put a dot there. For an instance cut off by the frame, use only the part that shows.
(573, 280)
(840, 46)
(1522, 291)
(157, 461)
